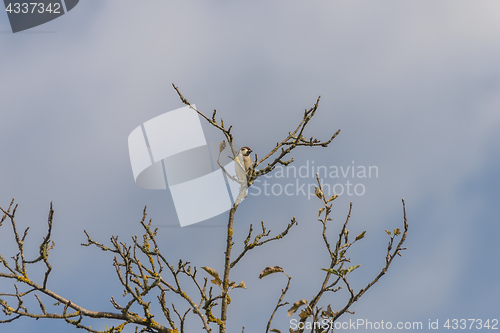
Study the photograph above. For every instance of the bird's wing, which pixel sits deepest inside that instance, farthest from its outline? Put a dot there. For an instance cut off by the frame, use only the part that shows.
(239, 167)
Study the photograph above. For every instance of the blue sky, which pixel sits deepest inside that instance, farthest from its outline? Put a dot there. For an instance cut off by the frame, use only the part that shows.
(414, 87)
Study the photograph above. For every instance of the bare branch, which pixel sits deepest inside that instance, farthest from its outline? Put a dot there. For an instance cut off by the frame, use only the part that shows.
(280, 302)
(338, 260)
(258, 242)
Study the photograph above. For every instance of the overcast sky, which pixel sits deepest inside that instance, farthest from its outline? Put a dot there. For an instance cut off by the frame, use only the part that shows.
(414, 87)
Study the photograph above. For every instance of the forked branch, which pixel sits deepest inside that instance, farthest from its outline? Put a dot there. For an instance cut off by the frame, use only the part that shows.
(338, 271)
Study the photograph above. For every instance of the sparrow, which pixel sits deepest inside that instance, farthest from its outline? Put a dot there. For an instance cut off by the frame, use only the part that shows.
(243, 162)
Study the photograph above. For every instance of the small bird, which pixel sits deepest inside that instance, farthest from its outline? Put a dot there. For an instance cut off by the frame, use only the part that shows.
(243, 162)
